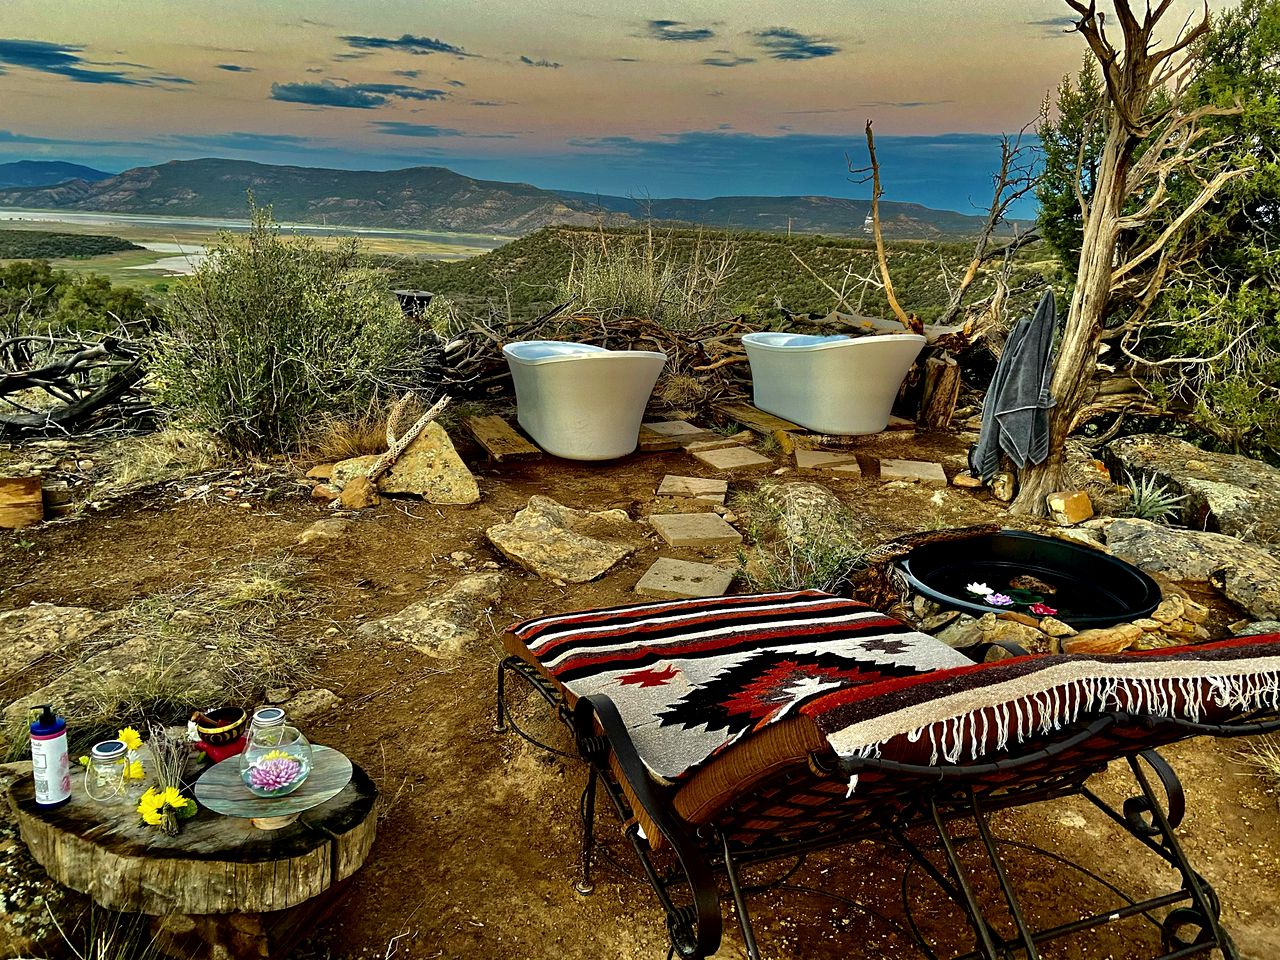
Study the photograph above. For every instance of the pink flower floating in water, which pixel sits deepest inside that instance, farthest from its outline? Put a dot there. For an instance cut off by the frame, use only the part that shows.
(275, 774)
(1042, 610)
(998, 600)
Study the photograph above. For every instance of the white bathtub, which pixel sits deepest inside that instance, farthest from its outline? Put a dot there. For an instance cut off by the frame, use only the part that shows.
(582, 402)
(836, 385)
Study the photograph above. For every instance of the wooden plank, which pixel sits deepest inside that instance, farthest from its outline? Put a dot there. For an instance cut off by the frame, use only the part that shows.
(651, 442)
(499, 440)
(757, 420)
(21, 503)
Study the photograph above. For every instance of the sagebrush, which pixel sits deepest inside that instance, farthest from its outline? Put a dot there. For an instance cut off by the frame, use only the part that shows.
(270, 334)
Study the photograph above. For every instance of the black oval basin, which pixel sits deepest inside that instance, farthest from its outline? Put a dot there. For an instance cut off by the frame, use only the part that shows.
(1090, 588)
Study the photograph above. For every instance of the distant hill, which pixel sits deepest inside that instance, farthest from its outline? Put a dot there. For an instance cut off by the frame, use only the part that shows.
(44, 173)
(828, 215)
(434, 198)
(526, 275)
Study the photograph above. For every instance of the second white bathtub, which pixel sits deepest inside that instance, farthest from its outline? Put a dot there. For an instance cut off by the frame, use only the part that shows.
(579, 401)
(836, 385)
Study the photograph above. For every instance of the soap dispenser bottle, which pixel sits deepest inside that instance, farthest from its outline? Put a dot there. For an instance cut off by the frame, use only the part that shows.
(50, 766)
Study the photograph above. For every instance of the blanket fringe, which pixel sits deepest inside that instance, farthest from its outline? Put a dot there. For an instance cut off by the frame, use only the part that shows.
(1052, 709)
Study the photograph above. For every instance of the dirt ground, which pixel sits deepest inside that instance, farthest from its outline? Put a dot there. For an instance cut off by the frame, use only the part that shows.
(478, 831)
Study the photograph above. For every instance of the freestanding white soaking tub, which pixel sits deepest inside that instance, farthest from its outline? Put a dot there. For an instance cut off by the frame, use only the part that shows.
(837, 385)
(582, 402)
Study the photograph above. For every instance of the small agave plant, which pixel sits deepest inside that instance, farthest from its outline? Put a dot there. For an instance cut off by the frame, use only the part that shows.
(1151, 500)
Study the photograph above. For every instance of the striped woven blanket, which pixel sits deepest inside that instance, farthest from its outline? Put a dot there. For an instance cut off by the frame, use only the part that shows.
(691, 677)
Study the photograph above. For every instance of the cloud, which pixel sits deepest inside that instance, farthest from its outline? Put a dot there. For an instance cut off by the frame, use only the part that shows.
(677, 31)
(406, 43)
(730, 61)
(238, 140)
(359, 96)
(550, 64)
(626, 59)
(410, 74)
(397, 128)
(783, 43)
(892, 104)
(455, 83)
(234, 68)
(491, 103)
(64, 60)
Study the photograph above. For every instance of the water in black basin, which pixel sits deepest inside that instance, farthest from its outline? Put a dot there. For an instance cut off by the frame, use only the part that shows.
(1086, 588)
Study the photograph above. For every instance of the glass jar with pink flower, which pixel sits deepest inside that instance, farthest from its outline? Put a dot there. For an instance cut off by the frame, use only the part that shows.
(276, 760)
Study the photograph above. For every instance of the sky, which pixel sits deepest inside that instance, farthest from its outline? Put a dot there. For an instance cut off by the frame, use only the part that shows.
(626, 97)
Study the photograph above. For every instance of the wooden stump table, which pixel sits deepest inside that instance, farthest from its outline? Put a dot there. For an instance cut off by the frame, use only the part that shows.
(222, 888)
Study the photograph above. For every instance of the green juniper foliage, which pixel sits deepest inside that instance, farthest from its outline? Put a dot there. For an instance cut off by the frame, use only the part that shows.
(1208, 347)
(36, 299)
(271, 334)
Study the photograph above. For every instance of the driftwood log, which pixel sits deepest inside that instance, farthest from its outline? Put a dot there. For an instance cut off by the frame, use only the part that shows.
(88, 383)
(221, 884)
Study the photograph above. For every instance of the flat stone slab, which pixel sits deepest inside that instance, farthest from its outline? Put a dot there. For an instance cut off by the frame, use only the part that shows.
(823, 459)
(695, 530)
(716, 443)
(732, 458)
(924, 472)
(682, 579)
(676, 428)
(699, 488)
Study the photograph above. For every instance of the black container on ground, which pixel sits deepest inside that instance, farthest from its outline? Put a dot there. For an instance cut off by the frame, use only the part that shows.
(1093, 589)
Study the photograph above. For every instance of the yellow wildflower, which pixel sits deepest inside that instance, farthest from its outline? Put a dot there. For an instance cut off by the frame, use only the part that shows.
(149, 806)
(134, 770)
(130, 738)
(173, 797)
(152, 818)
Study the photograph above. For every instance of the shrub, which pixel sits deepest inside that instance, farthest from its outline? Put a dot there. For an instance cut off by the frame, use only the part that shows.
(797, 545)
(36, 299)
(270, 335)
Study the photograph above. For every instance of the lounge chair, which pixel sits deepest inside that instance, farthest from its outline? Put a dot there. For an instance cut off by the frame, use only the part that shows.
(743, 730)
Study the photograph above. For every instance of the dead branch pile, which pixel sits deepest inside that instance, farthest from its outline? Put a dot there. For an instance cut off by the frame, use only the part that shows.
(704, 364)
(63, 385)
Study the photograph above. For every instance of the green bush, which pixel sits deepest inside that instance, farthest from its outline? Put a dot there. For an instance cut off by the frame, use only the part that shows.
(270, 335)
(36, 299)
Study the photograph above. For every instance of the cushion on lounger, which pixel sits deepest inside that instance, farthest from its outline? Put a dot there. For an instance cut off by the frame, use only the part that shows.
(692, 677)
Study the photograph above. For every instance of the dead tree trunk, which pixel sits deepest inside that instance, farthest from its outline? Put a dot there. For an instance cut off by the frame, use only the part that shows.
(1132, 74)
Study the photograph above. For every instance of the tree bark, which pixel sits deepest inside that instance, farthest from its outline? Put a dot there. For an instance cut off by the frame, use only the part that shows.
(941, 390)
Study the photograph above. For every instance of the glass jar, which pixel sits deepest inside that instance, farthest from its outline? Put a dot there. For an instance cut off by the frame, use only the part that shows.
(264, 718)
(276, 760)
(107, 775)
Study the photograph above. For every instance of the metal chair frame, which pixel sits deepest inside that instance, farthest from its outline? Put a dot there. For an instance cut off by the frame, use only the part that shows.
(941, 796)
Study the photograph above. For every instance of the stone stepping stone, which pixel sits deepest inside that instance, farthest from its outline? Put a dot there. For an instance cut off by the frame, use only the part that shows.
(827, 460)
(732, 458)
(676, 428)
(698, 488)
(695, 530)
(924, 472)
(673, 579)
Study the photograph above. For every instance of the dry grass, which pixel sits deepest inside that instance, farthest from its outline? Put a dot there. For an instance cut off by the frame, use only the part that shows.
(819, 550)
(343, 437)
(214, 643)
(1263, 755)
(165, 455)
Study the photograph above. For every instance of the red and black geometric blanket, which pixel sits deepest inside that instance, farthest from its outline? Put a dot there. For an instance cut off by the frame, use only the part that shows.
(691, 677)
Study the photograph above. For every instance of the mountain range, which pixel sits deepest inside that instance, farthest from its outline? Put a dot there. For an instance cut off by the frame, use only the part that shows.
(438, 199)
(43, 173)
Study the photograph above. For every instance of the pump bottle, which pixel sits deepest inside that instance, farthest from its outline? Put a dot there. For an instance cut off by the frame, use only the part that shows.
(50, 766)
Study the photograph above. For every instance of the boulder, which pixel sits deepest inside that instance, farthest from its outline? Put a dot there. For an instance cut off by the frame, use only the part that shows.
(1069, 507)
(1257, 628)
(306, 704)
(559, 543)
(322, 532)
(29, 634)
(803, 509)
(1107, 640)
(429, 468)
(446, 626)
(1225, 492)
(359, 493)
(1247, 574)
(178, 665)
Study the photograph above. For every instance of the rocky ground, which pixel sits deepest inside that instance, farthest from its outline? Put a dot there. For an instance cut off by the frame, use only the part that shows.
(390, 617)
